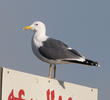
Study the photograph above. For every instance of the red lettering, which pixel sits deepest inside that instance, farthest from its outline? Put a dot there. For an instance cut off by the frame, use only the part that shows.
(11, 95)
(60, 98)
(52, 95)
(69, 98)
(48, 94)
(22, 93)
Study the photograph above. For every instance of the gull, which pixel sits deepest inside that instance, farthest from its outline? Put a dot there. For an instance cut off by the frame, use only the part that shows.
(54, 51)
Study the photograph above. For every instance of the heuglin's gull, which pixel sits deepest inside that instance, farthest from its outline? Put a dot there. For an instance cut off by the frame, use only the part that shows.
(54, 51)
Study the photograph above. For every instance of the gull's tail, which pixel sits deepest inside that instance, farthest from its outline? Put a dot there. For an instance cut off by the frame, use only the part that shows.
(86, 62)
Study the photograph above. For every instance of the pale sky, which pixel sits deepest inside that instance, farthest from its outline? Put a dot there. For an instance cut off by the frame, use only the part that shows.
(82, 24)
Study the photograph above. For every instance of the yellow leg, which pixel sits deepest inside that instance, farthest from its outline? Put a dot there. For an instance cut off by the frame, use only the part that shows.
(50, 71)
(54, 71)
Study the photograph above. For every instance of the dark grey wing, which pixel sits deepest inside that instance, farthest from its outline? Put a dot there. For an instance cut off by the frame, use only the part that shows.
(55, 49)
(75, 52)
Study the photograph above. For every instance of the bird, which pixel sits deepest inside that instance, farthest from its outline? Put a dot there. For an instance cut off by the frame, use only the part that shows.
(54, 51)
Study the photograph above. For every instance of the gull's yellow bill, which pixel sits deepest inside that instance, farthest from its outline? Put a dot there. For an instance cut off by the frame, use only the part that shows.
(27, 27)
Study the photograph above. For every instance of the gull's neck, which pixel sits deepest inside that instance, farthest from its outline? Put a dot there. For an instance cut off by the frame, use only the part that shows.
(39, 37)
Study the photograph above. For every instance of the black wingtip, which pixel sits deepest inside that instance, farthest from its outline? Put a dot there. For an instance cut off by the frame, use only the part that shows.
(91, 63)
(98, 65)
(86, 62)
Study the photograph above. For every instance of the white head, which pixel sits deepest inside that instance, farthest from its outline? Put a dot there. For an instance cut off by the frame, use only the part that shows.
(37, 26)
(40, 32)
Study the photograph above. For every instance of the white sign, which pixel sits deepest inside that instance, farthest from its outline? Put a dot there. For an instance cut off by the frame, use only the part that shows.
(22, 86)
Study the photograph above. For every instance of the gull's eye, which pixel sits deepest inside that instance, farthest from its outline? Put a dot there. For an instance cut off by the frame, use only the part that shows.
(36, 24)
